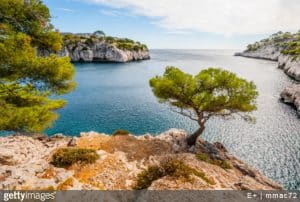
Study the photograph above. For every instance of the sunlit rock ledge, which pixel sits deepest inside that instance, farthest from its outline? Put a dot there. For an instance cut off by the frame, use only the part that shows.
(25, 163)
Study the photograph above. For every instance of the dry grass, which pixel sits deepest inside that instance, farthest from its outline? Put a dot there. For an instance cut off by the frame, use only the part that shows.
(66, 184)
(48, 174)
(109, 173)
(134, 148)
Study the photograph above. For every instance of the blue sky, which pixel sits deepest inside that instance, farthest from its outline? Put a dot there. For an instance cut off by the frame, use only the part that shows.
(182, 24)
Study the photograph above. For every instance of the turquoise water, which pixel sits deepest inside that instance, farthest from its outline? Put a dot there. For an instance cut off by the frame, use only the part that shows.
(112, 96)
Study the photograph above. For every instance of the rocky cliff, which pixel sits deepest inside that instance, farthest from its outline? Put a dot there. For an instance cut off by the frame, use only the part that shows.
(91, 48)
(102, 52)
(124, 161)
(285, 49)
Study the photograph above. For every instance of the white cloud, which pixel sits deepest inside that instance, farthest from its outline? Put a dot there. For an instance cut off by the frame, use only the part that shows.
(228, 17)
(66, 10)
(115, 13)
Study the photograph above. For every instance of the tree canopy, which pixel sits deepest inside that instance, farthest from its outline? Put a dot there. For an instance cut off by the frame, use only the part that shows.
(26, 80)
(99, 33)
(212, 92)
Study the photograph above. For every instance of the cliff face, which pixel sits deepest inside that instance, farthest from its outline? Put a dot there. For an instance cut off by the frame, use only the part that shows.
(101, 48)
(283, 48)
(269, 52)
(288, 63)
(291, 95)
(122, 158)
(101, 52)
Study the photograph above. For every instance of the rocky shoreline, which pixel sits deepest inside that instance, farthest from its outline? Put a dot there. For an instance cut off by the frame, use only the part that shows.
(288, 63)
(25, 163)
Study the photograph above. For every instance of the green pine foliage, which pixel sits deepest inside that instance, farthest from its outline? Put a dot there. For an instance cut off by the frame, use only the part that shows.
(27, 80)
(213, 92)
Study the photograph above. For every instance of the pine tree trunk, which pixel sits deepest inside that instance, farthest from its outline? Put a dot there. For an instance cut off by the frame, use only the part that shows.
(191, 139)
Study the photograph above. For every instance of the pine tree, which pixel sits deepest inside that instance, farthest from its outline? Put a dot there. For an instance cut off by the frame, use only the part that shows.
(211, 93)
(26, 80)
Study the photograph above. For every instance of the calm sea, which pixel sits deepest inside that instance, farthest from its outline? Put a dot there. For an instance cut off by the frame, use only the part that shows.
(112, 96)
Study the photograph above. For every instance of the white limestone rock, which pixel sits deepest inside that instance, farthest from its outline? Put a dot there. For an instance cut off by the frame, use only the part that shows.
(291, 95)
(101, 51)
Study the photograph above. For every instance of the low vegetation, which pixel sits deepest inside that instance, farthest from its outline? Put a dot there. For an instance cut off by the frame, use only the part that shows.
(173, 168)
(286, 42)
(293, 48)
(66, 184)
(121, 132)
(98, 36)
(65, 157)
(206, 158)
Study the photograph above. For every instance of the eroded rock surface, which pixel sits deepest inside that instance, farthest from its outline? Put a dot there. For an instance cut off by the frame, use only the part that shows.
(101, 52)
(25, 163)
(291, 95)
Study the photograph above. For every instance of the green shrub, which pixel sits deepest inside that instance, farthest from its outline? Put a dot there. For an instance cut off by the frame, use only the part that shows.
(125, 46)
(292, 48)
(172, 168)
(110, 39)
(68, 156)
(89, 41)
(85, 48)
(120, 132)
(253, 47)
(121, 43)
(146, 177)
(206, 158)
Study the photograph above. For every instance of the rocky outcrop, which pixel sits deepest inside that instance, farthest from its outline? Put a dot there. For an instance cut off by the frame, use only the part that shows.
(291, 95)
(101, 52)
(290, 65)
(25, 163)
(269, 52)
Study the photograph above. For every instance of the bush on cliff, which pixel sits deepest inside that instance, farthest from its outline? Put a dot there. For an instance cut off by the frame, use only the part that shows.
(293, 48)
(121, 43)
(68, 156)
(173, 168)
(121, 132)
(206, 158)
